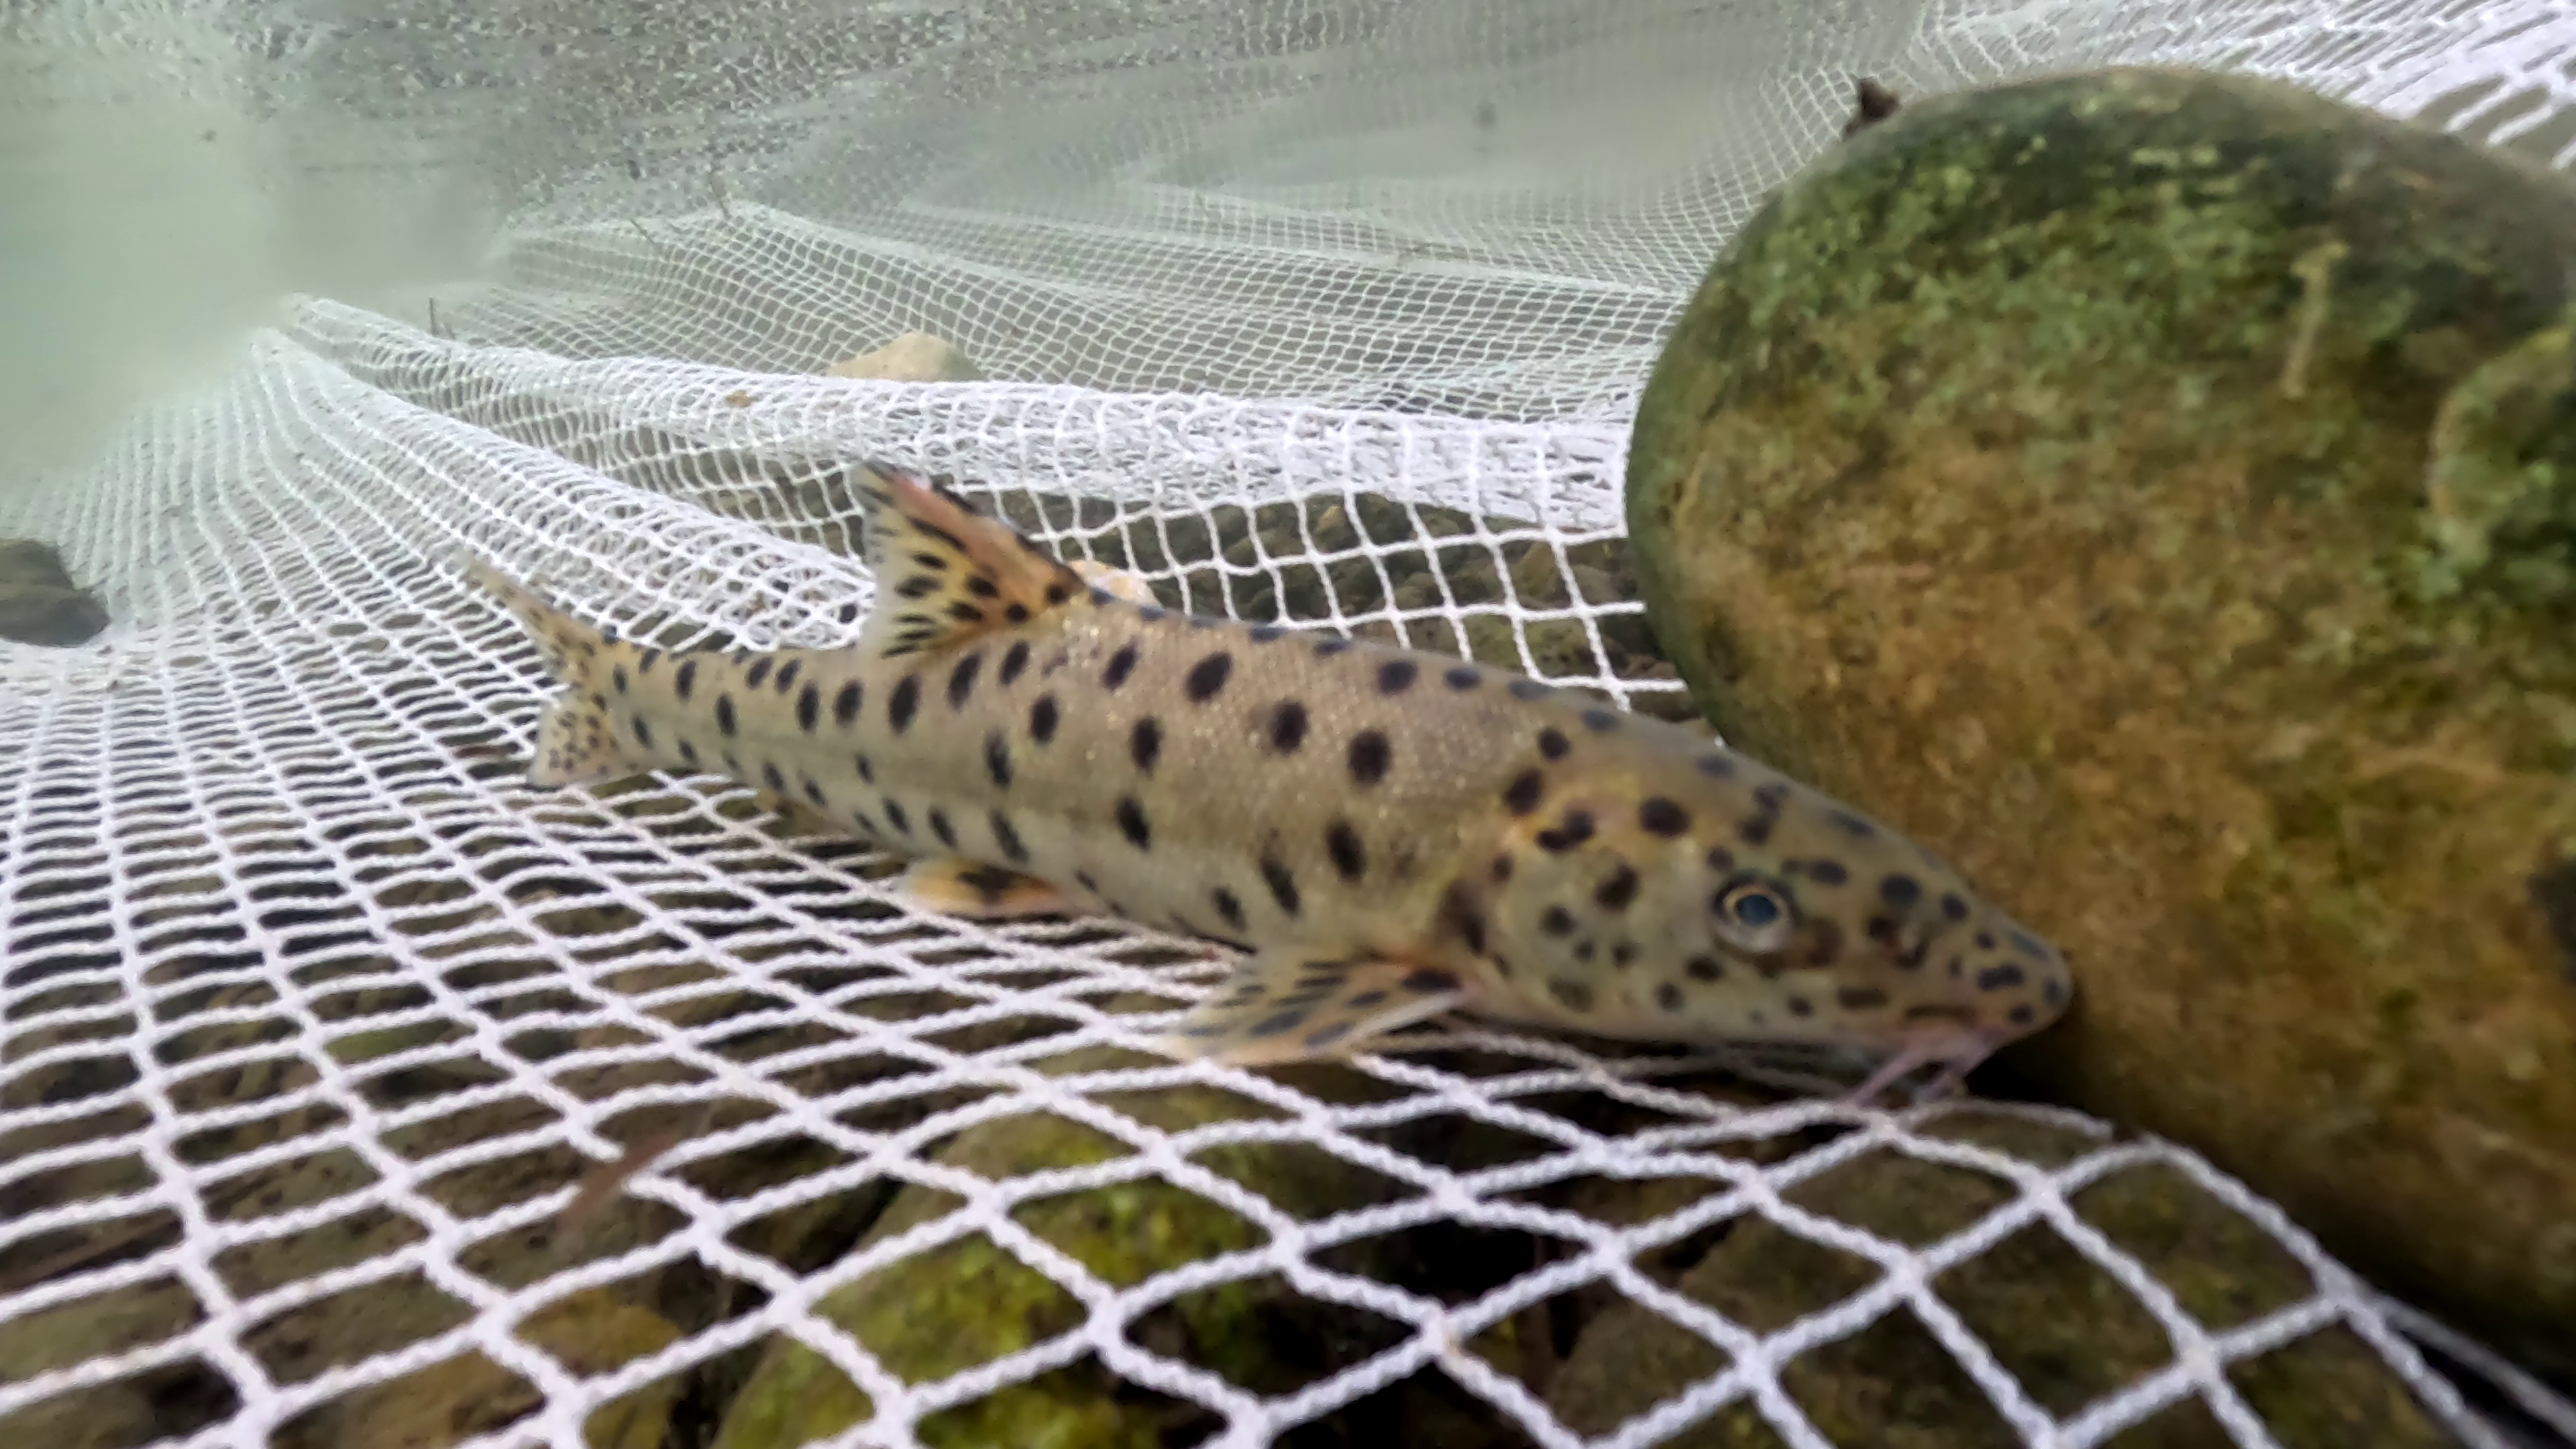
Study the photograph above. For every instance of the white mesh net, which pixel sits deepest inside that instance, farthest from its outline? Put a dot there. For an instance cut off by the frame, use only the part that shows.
(318, 1021)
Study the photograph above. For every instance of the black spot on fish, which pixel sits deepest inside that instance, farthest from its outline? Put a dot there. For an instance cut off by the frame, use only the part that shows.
(814, 793)
(961, 680)
(1042, 719)
(1343, 844)
(1570, 832)
(1228, 907)
(1083, 879)
(1619, 891)
(1145, 744)
(1287, 726)
(1999, 978)
(2028, 945)
(1008, 839)
(1757, 830)
(931, 561)
(1016, 613)
(644, 664)
(1985, 940)
(1660, 816)
(1133, 825)
(617, 678)
(1716, 767)
(982, 587)
(1827, 872)
(786, 679)
(1583, 950)
(1572, 995)
(1283, 884)
(1502, 869)
(894, 816)
(917, 587)
(1669, 997)
(845, 705)
(1600, 721)
(1704, 968)
(1552, 743)
(1121, 664)
(809, 708)
(1325, 1036)
(1426, 982)
(759, 671)
(2020, 1015)
(901, 704)
(1013, 661)
(1953, 908)
(1801, 1006)
(1327, 648)
(965, 613)
(1279, 1024)
(1370, 756)
(1207, 677)
(1529, 689)
(1850, 824)
(1521, 796)
(643, 733)
(724, 715)
(2054, 993)
(1458, 908)
(1396, 676)
(940, 827)
(1266, 633)
(1556, 921)
(689, 753)
(997, 760)
(686, 679)
(776, 781)
(1860, 998)
(1900, 891)
(1152, 613)
(1462, 677)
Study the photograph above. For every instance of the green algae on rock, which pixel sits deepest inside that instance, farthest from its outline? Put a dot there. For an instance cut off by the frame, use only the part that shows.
(2067, 1332)
(2157, 491)
(970, 1300)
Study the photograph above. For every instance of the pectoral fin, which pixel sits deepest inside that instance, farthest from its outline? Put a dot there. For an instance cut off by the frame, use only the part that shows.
(956, 887)
(1285, 1005)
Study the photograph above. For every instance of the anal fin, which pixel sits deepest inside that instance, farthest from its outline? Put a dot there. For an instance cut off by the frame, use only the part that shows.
(1282, 1006)
(956, 887)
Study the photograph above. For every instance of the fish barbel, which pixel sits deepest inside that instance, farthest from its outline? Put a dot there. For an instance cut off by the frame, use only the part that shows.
(1392, 834)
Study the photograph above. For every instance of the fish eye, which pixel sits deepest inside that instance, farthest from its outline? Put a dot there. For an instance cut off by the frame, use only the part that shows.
(1754, 914)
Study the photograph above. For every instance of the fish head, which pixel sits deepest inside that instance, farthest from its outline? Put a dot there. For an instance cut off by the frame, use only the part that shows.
(1741, 905)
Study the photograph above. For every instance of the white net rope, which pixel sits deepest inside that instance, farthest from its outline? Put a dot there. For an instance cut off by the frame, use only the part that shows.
(317, 1020)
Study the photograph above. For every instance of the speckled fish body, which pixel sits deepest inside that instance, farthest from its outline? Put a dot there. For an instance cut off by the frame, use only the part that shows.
(1393, 834)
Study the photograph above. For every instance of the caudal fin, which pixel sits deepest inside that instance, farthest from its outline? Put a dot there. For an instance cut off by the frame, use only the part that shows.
(576, 742)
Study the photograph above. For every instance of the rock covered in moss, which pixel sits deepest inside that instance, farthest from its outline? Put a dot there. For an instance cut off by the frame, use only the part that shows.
(971, 1300)
(2158, 491)
(2062, 1326)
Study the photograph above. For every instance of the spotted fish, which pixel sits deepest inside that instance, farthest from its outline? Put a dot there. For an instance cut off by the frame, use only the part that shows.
(1392, 835)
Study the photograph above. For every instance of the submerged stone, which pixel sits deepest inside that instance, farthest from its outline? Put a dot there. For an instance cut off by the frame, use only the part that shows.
(2157, 491)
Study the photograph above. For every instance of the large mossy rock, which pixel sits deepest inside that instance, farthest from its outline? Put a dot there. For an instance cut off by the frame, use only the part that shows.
(2157, 491)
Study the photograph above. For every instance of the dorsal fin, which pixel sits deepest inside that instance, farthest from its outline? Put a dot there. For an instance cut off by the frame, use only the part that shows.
(946, 573)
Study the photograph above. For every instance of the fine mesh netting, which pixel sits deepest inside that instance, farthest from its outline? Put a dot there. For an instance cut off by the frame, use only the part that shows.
(321, 1027)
